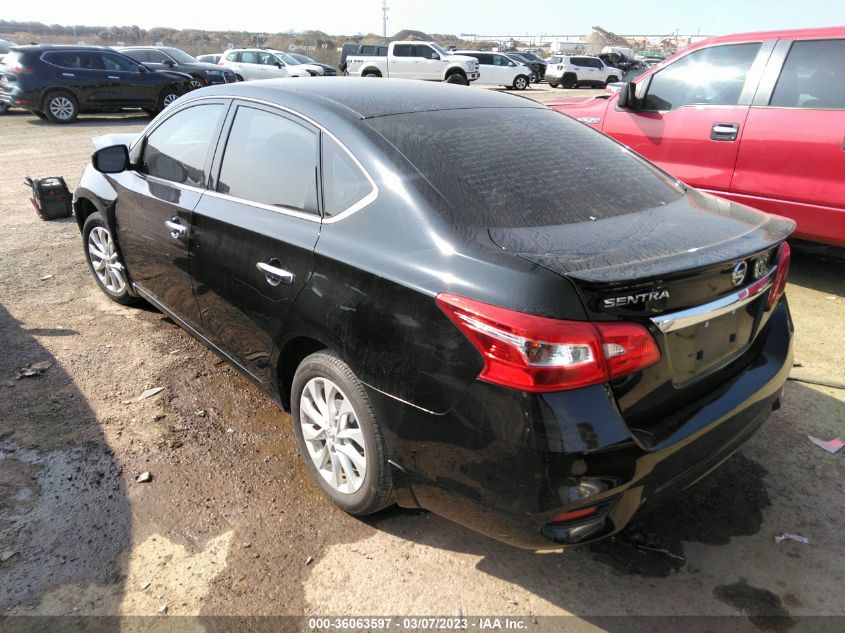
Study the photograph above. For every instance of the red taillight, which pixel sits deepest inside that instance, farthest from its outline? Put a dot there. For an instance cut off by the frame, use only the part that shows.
(534, 353)
(779, 282)
(575, 514)
(18, 69)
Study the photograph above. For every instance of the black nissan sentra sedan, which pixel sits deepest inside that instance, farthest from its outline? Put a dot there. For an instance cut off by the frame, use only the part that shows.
(538, 364)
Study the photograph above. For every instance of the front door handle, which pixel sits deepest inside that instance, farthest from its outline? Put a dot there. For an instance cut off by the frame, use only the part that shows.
(274, 273)
(724, 131)
(176, 230)
(113, 77)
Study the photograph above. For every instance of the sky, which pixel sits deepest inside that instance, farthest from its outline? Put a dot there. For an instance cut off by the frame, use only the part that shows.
(483, 17)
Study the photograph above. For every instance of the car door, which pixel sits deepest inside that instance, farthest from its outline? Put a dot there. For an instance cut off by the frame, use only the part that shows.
(691, 113)
(249, 65)
(504, 70)
(792, 156)
(271, 66)
(128, 84)
(402, 64)
(155, 200)
(253, 238)
(79, 71)
(429, 65)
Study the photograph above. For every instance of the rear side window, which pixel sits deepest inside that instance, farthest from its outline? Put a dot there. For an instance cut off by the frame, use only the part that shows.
(249, 57)
(501, 60)
(138, 56)
(177, 149)
(495, 167)
(78, 60)
(232, 57)
(271, 160)
(344, 184)
(813, 76)
(402, 50)
(710, 76)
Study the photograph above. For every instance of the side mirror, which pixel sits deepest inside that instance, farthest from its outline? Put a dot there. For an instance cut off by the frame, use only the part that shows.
(278, 64)
(511, 63)
(627, 99)
(142, 69)
(111, 160)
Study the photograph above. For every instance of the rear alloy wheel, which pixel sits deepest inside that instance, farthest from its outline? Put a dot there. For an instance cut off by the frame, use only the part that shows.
(371, 74)
(104, 260)
(520, 83)
(532, 78)
(339, 436)
(60, 107)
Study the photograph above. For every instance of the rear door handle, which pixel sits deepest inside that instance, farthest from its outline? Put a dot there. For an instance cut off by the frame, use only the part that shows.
(113, 77)
(68, 75)
(724, 131)
(176, 230)
(274, 273)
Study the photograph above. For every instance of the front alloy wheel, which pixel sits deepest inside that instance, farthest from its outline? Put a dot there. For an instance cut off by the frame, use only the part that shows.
(104, 260)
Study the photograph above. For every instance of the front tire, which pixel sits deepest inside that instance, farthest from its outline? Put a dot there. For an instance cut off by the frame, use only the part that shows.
(166, 98)
(457, 79)
(60, 106)
(520, 82)
(104, 261)
(611, 80)
(339, 435)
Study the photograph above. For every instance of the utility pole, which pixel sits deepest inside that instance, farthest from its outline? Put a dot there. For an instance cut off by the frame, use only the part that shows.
(384, 10)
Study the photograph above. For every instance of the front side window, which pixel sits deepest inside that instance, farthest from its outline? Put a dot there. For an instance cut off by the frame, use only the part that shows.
(426, 52)
(709, 76)
(813, 76)
(344, 184)
(177, 149)
(271, 160)
(267, 59)
(500, 60)
(157, 57)
(119, 63)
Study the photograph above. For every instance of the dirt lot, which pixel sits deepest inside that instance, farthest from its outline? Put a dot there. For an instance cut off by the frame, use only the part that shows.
(231, 524)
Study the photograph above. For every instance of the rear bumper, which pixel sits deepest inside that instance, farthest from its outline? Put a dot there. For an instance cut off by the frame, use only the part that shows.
(506, 463)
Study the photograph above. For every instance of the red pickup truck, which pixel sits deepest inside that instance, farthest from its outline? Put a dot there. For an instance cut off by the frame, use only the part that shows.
(758, 118)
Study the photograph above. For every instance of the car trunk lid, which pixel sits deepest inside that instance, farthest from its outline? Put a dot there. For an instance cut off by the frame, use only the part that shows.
(695, 271)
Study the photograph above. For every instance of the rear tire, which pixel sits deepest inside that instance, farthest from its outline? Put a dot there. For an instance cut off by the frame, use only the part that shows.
(520, 82)
(568, 82)
(238, 77)
(371, 73)
(331, 406)
(554, 84)
(60, 106)
(4, 107)
(457, 79)
(104, 260)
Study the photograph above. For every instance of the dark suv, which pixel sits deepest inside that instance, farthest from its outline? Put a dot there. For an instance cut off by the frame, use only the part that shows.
(59, 82)
(169, 58)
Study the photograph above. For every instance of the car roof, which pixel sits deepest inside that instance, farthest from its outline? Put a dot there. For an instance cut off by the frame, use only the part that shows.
(62, 47)
(365, 98)
(833, 31)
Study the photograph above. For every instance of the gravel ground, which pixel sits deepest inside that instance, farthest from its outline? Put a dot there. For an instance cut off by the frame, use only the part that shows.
(231, 524)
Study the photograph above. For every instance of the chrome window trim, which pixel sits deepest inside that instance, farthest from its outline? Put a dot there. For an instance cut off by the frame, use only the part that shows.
(315, 217)
(684, 318)
(169, 183)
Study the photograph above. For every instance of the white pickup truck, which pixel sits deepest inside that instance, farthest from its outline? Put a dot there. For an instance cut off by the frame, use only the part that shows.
(415, 60)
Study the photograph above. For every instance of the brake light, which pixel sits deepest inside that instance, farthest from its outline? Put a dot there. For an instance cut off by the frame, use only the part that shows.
(539, 354)
(779, 282)
(19, 69)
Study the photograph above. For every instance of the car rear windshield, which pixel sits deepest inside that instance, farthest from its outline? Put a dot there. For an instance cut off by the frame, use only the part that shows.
(509, 167)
